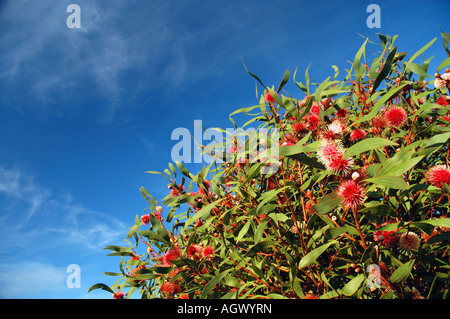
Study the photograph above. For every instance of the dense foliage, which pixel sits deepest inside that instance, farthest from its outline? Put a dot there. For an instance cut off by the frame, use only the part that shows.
(357, 207)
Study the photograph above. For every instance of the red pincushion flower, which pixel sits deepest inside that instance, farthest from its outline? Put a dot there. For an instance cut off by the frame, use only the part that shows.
(438, 175)
(338, 164)
(357, 134)
(396, 116)
(443, 100)
(208, 251)
(299, 127)
(172, 254)
(145, 219)
(268, 97)
(342, 113)
(352, 194)
(387, 238)
(118, 295)
(170, 288)
(328, 150)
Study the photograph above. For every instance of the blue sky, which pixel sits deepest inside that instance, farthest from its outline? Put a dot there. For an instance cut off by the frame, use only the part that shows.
(85, 112)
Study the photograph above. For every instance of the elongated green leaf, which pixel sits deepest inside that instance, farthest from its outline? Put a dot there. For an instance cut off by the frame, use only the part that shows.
(442, 222)
(310, 257)
(417, 69)
(243, 231)
(394, 182)
(321, 88)
(101, 286)
(158, 227)
(423, 49)
(261, 246)
(443, 64)
(402, 272)
(352, 286)
(385, 71)
(245, 109)
(327, 203)
(212, 283)
(284, 81)
(202, 213)
(357, 62)
(268, 196)
(368, 145)
(399, 164)
(337, 231)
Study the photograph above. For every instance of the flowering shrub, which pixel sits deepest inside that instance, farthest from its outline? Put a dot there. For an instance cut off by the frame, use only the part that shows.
(357, 208)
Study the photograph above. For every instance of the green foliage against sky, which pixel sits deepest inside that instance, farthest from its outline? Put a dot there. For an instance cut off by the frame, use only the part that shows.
(357, 209)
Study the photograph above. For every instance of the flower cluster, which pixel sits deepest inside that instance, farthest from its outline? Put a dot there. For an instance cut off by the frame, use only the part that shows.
(442, 81)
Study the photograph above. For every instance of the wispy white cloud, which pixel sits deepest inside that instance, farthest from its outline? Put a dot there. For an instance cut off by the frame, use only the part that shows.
(31, 279)
(31, 214)
(122, 49)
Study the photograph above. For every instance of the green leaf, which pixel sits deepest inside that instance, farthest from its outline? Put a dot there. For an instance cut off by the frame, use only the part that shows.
(284, 80)
(268, 196)
(443, 64)
(368, 144)
(402, 272)
(243, 231)
(319, 90)
(327, 203)
(417, 69)
(394, 182)
(337, 231)
(157, 225)
(101, 286)
(442, 222)
(261, 246)
(357, 62)
(254, 76)
(152, 235)
(202, 213)
(352, 286)
(212, 283)
(423, 49)
(399, 164)
(386, 69)
(314, 254)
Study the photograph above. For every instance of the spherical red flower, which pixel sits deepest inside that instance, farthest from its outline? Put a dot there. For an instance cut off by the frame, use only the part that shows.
(268, 97)
(438, 175)
(386, 238)
(145, 219)
(357, 134)
(396, 116)
(313, 122)
(342, 113)
(329, 149)
(443, 100)
(170, 288)
(352, 194)
(299, 127)
(339, 165)
(172, 254)
(194, 250)
(379, 122)
(118, 295)
(208, 251)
